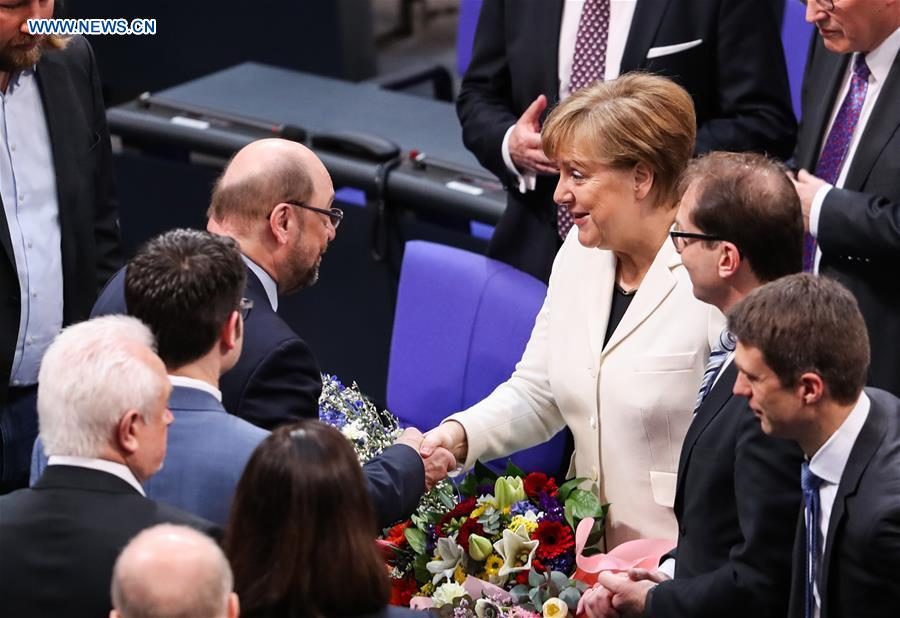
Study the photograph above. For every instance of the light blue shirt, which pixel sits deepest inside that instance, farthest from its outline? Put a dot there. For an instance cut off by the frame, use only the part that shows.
(268, 283)
(28, 190)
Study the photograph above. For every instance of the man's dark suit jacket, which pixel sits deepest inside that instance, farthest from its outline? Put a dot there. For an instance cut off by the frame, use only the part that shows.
(859, 225)
(60, 539)
(859, 569)
(82, 159)
(737, 501)
(737, 77)
(272, 384)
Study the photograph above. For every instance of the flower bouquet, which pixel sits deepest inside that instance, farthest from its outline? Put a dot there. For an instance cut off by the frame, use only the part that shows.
(495, 544)
(491, 545)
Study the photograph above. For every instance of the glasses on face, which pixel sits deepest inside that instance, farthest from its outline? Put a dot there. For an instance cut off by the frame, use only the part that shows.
(245, 306)
(335, 215)
(681, 239)
(825, 5)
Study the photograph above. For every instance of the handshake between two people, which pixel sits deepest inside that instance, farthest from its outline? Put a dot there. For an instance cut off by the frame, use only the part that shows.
(439, 449)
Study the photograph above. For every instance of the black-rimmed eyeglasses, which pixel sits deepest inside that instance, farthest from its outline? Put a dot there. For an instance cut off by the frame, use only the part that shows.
(680, 239)
(825, 5)
(335, 215)
(245, 306)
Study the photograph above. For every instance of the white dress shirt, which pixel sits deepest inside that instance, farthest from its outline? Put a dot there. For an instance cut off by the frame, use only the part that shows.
(268, 283)
(28, 190)
(621, 13)
(879, 61)
(104, 465)
(828, 464)
(200, 385)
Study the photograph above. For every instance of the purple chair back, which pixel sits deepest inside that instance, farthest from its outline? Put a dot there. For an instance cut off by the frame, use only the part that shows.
(795, 37)
(461, 325)
(469, 10)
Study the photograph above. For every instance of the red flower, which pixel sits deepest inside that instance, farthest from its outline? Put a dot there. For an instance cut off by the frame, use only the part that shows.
(402, 591)
(463, 509)
(522, 577)
(536, 482)
(555, 539)
(471, 526)
(396, 536)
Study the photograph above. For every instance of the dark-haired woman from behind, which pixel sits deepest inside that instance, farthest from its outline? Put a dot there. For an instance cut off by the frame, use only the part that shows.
(301, 538)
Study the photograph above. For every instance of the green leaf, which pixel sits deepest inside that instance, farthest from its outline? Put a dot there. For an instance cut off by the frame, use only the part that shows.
(519, 593)
(569, 516)
(535, 579)
(536, 600)
(584, 504)
(469, 485)
(570, 596)
(484, 474)
(595, 536)
(447, 500)
(513, 470)
(566, 488)
(590, 551)
(416, 539)
(423, 575)
(580, 585)
(560, 580)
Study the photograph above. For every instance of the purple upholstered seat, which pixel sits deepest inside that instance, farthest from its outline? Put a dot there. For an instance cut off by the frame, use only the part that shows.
(461, 325)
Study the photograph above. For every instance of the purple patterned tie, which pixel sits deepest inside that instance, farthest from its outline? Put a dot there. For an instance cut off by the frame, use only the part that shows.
(588, 65)
(838, 142)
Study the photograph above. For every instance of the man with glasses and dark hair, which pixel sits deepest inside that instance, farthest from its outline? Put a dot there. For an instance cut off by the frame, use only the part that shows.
(275, 200)
(187, 286)
(737, 497)
(848, 149)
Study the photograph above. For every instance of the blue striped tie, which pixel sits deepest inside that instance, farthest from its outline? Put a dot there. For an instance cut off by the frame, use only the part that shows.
(810, 484)
(724, 346)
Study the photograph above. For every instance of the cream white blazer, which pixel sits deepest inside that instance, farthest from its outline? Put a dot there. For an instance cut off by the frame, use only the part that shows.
(628, 404)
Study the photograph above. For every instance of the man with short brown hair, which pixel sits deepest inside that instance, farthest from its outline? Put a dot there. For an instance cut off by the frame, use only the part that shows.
(803, 352)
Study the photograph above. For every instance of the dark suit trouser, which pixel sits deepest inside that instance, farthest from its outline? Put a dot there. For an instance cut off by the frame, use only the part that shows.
(18, 430)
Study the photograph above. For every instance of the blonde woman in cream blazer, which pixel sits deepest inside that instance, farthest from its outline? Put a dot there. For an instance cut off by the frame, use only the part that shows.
(629, 401)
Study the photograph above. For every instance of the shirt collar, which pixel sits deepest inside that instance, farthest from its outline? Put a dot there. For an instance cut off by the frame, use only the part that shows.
(17, 79)
(267, 282)
(881, 59)
(829, 461)
(103, 465)
(200, 385)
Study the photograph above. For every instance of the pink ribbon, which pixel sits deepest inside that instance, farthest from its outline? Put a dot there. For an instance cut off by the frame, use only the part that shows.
(637, 554)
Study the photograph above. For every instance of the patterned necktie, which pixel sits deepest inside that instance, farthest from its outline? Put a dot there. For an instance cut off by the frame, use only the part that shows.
(810, 484)
(723, 347)
(838, 141)
(588, 65)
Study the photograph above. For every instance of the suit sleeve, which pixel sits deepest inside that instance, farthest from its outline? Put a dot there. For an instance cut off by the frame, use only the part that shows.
(106, 208)
(283, 388)
(754, 109)
(860, 225)
(484, 105)
(396, 481)
(755, 581)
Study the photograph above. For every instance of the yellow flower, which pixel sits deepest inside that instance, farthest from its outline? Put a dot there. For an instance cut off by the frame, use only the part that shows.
(555, 608)
(519, 520)
(477, 512)
(492, 564)
(427, 589)
(459, 575)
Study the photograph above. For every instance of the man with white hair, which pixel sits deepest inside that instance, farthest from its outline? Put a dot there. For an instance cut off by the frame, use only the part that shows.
(173, 571)
(104, 422)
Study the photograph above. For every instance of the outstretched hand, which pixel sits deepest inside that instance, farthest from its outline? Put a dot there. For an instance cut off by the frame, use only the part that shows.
(438, 463)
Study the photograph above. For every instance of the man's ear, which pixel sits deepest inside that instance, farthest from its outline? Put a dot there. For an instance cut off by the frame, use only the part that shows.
(811, 388)
(234, 605)
(730, 259)
(231, 332)
(280, 222)
(643, 180)
(127, 432)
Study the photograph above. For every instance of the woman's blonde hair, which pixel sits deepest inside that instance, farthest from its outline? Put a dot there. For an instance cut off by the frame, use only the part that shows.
(637, 118)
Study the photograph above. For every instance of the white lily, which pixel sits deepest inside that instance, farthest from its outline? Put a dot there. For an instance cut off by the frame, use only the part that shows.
(450, 555)
(512, 547)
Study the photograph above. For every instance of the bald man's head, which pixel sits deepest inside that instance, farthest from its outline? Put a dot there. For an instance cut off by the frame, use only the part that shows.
(173, 572)
(261, 175)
